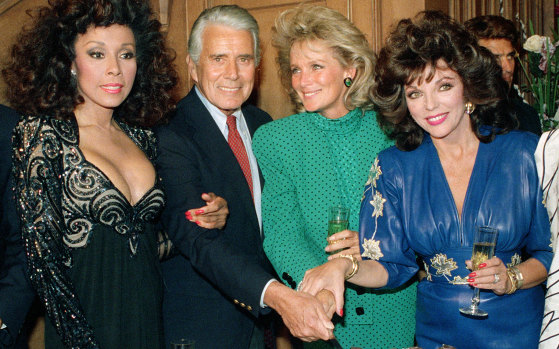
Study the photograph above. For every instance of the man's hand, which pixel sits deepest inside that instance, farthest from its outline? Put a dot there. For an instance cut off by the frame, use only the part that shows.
(328, 302)
(213, 215)
(302, 313)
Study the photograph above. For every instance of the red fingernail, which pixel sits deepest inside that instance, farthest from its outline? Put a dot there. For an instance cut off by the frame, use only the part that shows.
(199, 212)
(188, 215)
(472, 274)
(198, 222)
(341, 312)
(475, 285)
(482, 265)
(471, 280)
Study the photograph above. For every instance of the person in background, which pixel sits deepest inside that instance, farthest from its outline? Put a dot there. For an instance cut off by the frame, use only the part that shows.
(16, 293)
(221, 284)
(499, 35)
(454, 168)
(320, 158)
(89, 77)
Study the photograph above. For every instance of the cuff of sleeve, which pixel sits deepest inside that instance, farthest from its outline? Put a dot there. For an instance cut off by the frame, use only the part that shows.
(262, 305)
(6, 339)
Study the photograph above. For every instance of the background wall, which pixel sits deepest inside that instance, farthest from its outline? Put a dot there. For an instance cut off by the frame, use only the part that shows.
(373, 17)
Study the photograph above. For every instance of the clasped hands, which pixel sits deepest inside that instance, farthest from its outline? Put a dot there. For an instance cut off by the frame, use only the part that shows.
(326, 284)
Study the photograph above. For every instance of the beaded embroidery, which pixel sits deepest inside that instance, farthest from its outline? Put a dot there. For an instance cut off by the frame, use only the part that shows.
(371, 247)
(61, 197)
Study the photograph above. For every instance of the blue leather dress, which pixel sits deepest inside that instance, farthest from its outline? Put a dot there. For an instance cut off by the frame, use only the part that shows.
(408, 211)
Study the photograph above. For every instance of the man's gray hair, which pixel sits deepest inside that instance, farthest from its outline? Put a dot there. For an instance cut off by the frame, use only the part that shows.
(229, 15)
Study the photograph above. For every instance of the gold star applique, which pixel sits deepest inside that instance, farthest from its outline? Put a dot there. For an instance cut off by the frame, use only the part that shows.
(514, 260)
(374, 174)
(459, 280)
(371, 249)
(429, 276)
(443, 265)
(378, 204)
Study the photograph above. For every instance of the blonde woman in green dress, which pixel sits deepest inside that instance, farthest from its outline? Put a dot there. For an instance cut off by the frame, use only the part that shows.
(321, 158)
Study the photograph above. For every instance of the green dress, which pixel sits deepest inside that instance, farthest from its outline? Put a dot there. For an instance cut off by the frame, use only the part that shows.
(310, 163)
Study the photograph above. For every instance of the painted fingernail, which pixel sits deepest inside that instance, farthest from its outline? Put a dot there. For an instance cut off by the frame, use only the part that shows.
(199, 212)
(471, 280)
(188, 215)
(472, 274)
(341, 312)
(483, 265)
(198, 222)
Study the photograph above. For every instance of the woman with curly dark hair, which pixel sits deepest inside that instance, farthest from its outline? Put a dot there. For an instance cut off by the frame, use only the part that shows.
(455, 167)
(90, 74)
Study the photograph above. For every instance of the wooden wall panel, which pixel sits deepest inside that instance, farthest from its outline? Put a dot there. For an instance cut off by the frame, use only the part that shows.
(374, 17)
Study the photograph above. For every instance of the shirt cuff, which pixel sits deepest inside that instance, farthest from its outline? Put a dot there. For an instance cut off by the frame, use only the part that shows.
(262, 305)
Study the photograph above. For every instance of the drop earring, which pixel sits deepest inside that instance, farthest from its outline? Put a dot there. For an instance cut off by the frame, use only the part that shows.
(348, 81)
(470, 107)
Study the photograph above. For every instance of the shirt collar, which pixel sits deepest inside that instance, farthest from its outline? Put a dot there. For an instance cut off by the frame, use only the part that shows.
(219, 117)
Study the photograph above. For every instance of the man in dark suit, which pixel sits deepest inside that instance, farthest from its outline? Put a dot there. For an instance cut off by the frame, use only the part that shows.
(499, 35)
(16, 293)
(221, 282)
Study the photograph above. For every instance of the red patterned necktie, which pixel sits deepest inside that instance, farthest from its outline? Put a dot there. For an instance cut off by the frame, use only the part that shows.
(238, 147)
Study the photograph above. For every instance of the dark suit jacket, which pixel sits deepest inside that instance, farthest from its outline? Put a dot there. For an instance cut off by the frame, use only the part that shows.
(528, 119)
(16, 293)
(213, 287)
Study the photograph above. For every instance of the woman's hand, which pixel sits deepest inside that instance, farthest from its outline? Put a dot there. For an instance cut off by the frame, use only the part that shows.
(347, 241)
(328, 276)
(213, 215)
(491, 275)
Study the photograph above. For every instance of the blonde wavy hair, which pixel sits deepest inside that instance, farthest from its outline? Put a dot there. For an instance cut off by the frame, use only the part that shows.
(312, 22)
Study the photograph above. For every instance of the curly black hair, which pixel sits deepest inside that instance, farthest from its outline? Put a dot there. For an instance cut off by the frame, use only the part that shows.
(39, 71)
(419, 43)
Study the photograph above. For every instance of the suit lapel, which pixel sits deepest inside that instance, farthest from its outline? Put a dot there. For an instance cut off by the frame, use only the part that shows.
(209, 136)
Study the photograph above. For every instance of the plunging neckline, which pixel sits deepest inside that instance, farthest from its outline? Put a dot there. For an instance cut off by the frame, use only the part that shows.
(447, 185)
(124, 129)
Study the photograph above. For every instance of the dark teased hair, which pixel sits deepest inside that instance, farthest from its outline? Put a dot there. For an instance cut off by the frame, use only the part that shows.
(419, 43)
(493, 27)
(39, 71)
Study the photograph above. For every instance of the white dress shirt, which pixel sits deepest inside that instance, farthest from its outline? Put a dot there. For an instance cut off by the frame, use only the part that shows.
(221, 121)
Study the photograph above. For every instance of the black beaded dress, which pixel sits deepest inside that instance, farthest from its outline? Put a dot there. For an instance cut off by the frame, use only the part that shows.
(92, 256)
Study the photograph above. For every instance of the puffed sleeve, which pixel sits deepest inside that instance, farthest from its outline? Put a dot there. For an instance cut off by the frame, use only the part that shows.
(38, 172)
(381, 233)
(285, 243)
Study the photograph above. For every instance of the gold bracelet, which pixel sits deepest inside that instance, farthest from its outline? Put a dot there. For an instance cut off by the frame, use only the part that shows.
(519, 277)
(354, 265)
(513, 281)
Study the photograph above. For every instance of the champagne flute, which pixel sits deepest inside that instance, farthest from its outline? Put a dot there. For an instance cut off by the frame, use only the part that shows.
(338, 220)
(484, 249)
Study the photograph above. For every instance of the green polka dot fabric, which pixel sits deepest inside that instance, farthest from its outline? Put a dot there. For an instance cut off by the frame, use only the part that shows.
(311, 163)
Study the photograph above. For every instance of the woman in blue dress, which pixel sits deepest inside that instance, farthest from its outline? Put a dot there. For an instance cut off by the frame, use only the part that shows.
(455, 167)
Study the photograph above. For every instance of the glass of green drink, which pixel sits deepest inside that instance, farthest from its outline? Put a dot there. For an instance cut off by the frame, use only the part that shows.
(338, 220)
